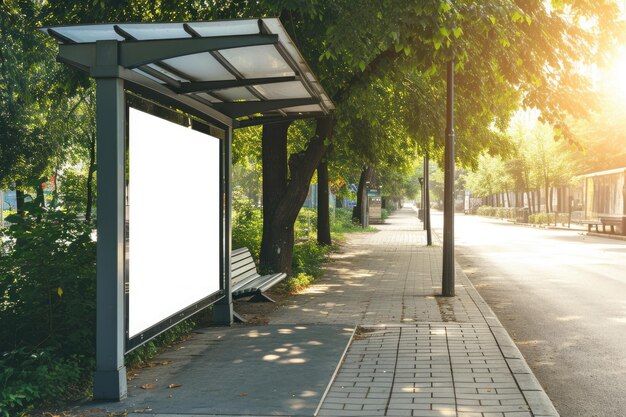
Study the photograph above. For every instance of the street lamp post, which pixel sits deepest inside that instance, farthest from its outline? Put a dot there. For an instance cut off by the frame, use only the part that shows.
(429, 237)
(421, 180)
(447, 282)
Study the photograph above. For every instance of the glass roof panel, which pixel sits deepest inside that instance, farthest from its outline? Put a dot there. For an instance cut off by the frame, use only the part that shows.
(226, 28)
(261, 61)
(167, 73)
(208, 97)
(201, 67)
(291, 89)
(257, 61)
(144, 31)
(237, 93)
(89, 33)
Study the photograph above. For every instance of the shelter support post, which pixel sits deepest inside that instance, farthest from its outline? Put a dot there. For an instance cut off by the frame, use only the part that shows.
(110, 375)
(447, 283)
(223, 313)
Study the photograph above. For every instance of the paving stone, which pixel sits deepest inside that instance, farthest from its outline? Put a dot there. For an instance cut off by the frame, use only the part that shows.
(419, 355)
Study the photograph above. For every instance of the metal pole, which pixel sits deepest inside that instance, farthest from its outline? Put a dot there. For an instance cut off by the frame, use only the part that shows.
(422, 209)
(110, 375)
(223, 313)
(429, 236)
(447, 282)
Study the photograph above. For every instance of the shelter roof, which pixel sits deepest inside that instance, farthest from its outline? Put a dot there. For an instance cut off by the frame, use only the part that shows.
(249, 70)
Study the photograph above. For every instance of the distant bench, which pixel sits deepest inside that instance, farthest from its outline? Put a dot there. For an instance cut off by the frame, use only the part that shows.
(590, 223)
(245, 281)
(605, 221)
(612, 222)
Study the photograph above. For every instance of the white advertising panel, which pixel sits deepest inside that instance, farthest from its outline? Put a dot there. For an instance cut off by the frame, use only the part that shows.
(173, 217)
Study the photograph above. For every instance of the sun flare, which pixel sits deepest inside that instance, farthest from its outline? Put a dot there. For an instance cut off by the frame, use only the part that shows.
(617, 74)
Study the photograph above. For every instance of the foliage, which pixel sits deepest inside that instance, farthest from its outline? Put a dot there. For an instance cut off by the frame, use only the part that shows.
(144, 353)
(247, 223)
(48, 282)
(31, 377)
(308, 258)
(297, 283)
(343, 222)
(539, 162)
(74, 190)
(486, 211)
(549, 218)
(47, 314)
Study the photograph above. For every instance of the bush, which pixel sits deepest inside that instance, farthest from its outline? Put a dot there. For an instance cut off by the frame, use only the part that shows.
(149, 350)
(28, 377)
(247, 224)
(47, 314)
(297, 283)
(308, 258)
(342, 222)
(486, 211)
(506, 213)
(549, 218)
(305, 227)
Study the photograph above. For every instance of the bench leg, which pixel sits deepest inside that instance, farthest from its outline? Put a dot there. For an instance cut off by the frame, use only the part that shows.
(259, 297)
(237, 318)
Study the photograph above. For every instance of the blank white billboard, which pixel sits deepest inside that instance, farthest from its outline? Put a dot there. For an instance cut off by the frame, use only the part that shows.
(174, 219)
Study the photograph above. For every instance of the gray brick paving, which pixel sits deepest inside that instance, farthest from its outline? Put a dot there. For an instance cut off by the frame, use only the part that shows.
(414, 353)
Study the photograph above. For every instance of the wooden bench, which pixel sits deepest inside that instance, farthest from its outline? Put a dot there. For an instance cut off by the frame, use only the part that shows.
(245, 281)
(590, 223)
(612, 222)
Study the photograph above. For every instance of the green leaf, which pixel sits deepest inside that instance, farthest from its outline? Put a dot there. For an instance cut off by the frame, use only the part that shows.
(458, 32)
(362, 66)
(492, 19)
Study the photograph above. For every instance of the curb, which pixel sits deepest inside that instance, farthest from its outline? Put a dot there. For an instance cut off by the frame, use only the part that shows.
(334, 375)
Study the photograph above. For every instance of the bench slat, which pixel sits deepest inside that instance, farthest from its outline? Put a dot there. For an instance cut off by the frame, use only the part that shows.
(262, 283)
(241, 266)
(243, 277)
(238, 287)
(240, 255)
(245, 280)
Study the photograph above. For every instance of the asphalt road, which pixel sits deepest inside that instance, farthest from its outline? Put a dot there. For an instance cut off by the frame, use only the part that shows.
(562, 297)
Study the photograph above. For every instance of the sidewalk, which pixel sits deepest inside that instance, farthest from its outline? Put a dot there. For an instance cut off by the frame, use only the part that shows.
(413, 353)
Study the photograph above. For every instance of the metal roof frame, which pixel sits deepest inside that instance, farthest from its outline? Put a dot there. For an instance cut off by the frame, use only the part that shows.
(162, 60)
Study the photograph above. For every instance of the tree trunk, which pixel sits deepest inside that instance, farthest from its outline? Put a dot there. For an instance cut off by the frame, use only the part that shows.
(19, 201)
(547, 187)
(323, 210)
(92, 169)
(283, 197)
(275, 172)
(508, 199)
(366, 176)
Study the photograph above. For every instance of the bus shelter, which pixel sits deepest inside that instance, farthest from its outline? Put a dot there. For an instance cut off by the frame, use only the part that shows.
(168, 96)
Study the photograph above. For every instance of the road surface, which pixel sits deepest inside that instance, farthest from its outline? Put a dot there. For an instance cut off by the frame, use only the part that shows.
(562, 297)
